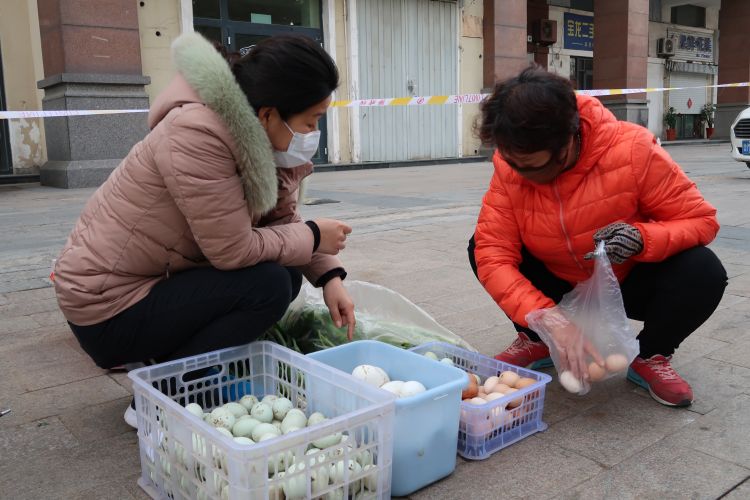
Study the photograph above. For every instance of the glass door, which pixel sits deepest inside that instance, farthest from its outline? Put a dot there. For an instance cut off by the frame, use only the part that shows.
(240, 24)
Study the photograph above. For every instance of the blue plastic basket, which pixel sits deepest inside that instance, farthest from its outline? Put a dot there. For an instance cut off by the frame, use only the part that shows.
(426, 425)
(485, 429)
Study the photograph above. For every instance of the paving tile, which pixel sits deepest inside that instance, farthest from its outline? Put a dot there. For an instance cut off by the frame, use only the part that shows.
(728, 324)
(740, 491)
(97, 422)
(70, 472)
(714, 383)
(32, 406)
(19, 442)
(736, 354)
(9, 310)
(695, 347)
(528, 469)
(662, 471)
(722, 433)
(52, 363)
(610, 432)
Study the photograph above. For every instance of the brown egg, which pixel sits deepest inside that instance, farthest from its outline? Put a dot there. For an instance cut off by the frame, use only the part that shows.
(490, 383)
(616, 362)
(472, 389)
(509, 378)
(596, 372)
(524, 382)
(501, 388)
(516, 402)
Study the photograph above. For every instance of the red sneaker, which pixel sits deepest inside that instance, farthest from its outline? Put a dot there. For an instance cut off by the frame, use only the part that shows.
(526, 353)
(657, 376)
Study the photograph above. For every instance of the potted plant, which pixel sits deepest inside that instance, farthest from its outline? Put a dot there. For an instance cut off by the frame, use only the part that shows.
(670, 120)
(707, 117)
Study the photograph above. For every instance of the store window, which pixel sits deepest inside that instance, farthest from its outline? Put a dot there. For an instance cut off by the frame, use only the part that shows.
(582, 69)
(238, 25)
(280, 12)
(587, 5)
(654, 11)
(689, 15)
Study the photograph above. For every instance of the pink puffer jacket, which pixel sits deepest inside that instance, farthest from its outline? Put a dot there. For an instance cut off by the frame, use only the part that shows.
(200, 189)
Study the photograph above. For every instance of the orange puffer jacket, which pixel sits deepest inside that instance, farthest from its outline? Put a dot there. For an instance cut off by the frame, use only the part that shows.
(621, 175)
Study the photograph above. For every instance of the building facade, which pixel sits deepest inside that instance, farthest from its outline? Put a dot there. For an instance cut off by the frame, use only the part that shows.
(87, 54)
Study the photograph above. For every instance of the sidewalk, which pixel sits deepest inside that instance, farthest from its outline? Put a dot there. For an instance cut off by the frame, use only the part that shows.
(65, 437)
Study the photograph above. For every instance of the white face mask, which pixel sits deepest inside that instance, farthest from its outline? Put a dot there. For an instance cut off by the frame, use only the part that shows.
(301, 149)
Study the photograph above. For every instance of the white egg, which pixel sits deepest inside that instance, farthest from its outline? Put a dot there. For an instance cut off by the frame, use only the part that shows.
(222, 418)
(394, 386)
(477, 401)
(280, 408)
(262, 429)
(225, 432)
(371, 374)
(371, 480)
(337, 473)
(195, 409)
(490, 383)
(248, 401)
(296, 485)
(493, 396)
(431, 355)
(244, 440)
(262, 412)
(327, 441)
(447, 361)
(269, 399)
(412, 388)
(570, 382)
(244, 426)
(315, 418)
(235, 409)
(294, 418)
(337, 494)
(278, 462)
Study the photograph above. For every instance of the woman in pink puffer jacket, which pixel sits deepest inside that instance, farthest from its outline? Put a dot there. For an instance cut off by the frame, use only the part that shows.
(194, 243)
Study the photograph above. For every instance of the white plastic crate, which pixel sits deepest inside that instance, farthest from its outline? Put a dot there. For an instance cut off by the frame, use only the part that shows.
(184, 457)
(485, 429)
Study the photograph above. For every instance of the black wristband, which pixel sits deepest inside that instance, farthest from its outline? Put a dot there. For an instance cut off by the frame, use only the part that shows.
(316, 234)
(337, 272)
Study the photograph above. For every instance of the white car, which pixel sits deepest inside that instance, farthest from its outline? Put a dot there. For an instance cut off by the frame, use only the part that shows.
(740, 136)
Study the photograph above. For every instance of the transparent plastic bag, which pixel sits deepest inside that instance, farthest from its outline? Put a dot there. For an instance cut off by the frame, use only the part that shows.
(381, 314)
(594, 308)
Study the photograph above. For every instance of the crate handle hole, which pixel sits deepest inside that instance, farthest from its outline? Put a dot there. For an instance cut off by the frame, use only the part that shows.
(202, 372)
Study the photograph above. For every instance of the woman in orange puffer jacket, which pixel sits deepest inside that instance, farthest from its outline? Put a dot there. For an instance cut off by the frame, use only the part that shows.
(567, 174)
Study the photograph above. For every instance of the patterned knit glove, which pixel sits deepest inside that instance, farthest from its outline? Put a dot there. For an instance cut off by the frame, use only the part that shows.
(621, 241)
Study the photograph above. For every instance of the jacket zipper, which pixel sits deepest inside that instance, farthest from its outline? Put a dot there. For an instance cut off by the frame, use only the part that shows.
(565, 231)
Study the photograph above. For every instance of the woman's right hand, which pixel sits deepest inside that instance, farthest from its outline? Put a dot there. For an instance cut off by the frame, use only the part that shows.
(332, 235)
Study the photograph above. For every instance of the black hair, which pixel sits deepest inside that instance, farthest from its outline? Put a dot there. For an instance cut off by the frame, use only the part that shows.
(289, 73)
(534, 111)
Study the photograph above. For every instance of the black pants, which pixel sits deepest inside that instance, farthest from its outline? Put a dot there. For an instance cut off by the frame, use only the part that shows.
(672, 298)
(193, 312)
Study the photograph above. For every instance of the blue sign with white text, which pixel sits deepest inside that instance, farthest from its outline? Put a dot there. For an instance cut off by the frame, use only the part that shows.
(578, 32)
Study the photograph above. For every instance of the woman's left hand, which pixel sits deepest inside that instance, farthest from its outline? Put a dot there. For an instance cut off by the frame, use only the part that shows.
(340, 305)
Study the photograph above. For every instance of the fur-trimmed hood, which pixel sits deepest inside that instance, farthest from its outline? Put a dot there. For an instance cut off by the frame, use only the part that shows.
(205, 77)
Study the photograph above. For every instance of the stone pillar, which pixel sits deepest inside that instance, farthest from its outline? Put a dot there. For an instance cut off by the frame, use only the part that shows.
(504, 40)
(621, 55)
(734, 64)
(92, 60)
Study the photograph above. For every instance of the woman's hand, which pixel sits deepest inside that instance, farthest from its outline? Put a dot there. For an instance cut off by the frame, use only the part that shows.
(571, 345)
(332, 235)
(340, 305)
